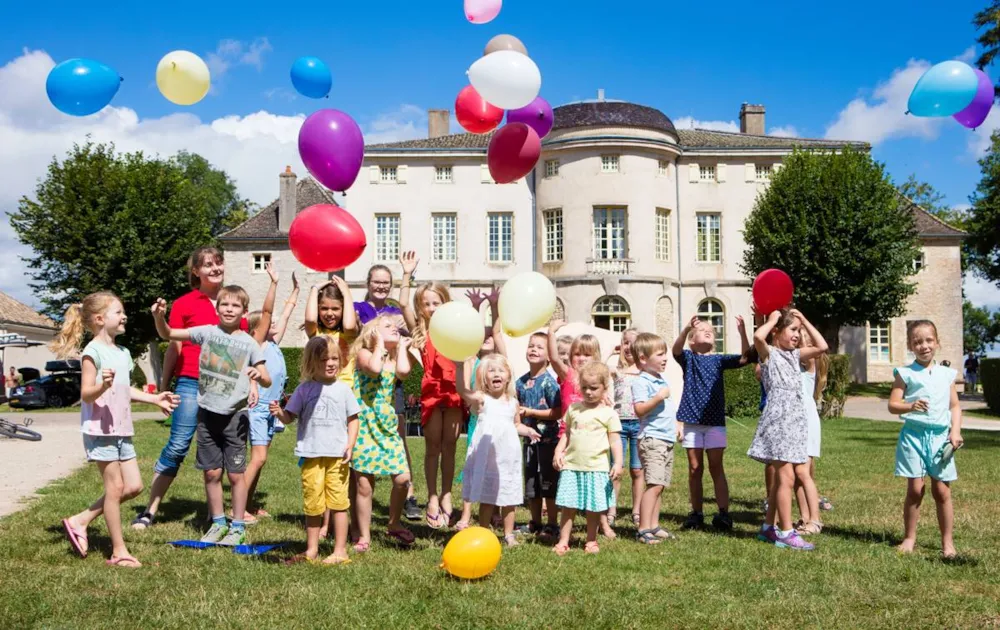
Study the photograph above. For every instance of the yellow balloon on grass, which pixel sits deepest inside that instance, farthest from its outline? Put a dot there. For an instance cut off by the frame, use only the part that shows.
(527, 302)
(471, 553)
(457, 330)
(183, 77)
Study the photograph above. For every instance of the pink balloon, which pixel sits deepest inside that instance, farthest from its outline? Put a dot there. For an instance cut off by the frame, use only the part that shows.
(513, 152)
(537, 114)
(976, 112)
(332, 148)
(482, 11)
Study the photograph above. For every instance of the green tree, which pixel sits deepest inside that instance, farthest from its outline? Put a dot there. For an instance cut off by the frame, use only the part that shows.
(983, 224)
(121, 222)
(982, 328)
(928, 198)
(214, 191)
(988, 18)
(837, 225)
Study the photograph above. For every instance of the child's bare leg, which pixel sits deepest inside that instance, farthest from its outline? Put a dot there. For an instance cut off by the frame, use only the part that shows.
(695, 470)
(433, 438)
(911, 513)
(616, 484)
(508, 520)
(339, 535)
(648, 512)
(566, 527)
(535, 506)
(552, 510)
(800, 499)
(593, 522)
(466, 513)
(366, 485)
(213, 492)
(485, 515)
(941, 491)
(313, 525)
(396, 500)
(783, 484)
(238, 493)
(719, 482)
(638, 483)
(810, 496)
(606, 526)
(352, 495)
(258, 457)
(452, 430)
(324, 529)
(114, 488)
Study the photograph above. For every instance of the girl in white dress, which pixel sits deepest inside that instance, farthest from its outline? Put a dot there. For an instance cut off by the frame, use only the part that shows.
(493, 466)
(814, 373)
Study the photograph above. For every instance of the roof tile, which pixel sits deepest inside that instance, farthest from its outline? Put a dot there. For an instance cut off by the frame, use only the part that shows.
(14, 312)
(264, 224)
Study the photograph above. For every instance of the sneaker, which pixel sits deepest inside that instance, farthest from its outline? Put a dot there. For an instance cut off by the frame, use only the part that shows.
(531, 527)
(767, 535)
(793, 541)
(694, 520)
(234, 537)
(279, 426)
(215, 533)
(411, 510)
(722, 520)
(764, 507)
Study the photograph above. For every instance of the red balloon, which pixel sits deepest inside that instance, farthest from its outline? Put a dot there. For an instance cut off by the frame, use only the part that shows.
(513, 152)
(772, 291)
(325, 237)
(474, 113)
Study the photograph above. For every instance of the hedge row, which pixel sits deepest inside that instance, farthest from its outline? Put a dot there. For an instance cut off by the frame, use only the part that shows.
(989, 376)
(743, 390)
(293, 361)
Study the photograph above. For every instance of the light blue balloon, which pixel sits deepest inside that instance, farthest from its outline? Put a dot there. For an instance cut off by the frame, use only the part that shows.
(311, 77)
(946, 89)
(81, 87)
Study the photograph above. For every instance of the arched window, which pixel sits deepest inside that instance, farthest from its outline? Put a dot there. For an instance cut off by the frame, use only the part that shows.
(611, 313)
(560, 312)
(714, 313)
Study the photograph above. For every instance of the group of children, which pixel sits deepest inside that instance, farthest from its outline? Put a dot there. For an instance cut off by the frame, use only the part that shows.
(556, 436)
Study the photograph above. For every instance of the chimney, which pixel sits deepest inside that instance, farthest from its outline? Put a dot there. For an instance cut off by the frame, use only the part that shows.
(287, 202)
(438, 123)
(600, 95)
(752, 119)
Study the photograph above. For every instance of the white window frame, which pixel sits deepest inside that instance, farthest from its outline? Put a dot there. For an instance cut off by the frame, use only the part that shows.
(920, 262)
(387, 237)
(444, 237)
(661, 236)
(707, 250)
(388, 174)
(714, 312)
(500, 238)
(258, 262)
(763, 172)
(551, 168)
(706, 172)
(611, 163)
(552, 220)
(616, 309)
(663, 168)
(444, 174)
(880, 342)
(610, 233)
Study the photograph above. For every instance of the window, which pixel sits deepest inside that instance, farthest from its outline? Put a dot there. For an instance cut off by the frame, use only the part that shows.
(443, 174)
(386, 237)
(387, 174)
(763, 172)
(444, 237)
(551, 168)
(501, 237)
(706, 172)
(609, 163)
(712, 312)
(662, 235)
(919, 262)
(709, 238)
(260, 263)
(662, 167)
(553, 235)
(609, 233)
(611, 313)
(879, 343)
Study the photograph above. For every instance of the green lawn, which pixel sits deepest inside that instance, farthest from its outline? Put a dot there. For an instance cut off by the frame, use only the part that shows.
(854, 579)
(872, 390)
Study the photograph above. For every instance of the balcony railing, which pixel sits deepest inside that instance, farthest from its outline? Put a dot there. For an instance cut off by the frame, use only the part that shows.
(609, 266)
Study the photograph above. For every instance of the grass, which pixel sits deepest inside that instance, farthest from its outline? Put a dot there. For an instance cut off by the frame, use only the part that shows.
(870, 390)
(982, 412)
(854, 578)
(136, 408)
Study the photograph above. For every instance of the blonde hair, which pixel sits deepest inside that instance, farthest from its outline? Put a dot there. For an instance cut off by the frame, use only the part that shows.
(587, 345)
(79, 319)
(420, 333)
(646, 344)
(253, 318)
(317, 352)
(235, 292)
(368, 337)
(492, 360)
(197, 259)
(593, 369)
(822, 366)
(622, 363)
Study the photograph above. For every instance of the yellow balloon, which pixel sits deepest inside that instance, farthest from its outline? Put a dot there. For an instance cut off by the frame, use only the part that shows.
(527, 302)
(457, 330)
(471, 553)
(183, 78)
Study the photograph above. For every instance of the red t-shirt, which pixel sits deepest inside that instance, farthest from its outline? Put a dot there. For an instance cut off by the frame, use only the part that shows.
(189, 310)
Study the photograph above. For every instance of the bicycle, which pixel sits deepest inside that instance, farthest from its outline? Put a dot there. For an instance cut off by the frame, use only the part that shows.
(19, 431)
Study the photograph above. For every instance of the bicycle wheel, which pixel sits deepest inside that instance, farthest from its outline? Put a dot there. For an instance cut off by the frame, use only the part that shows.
(16, 431)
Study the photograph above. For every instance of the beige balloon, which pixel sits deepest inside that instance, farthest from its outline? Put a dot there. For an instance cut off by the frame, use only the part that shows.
(505, 42)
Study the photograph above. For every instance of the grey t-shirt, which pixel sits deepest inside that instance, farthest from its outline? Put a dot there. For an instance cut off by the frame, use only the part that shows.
(223, 384)
(322, 412)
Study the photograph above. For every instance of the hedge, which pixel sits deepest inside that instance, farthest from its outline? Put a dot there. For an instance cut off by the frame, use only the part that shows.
(837, 381)
(989, 376)
(743, 390)
(293, 361)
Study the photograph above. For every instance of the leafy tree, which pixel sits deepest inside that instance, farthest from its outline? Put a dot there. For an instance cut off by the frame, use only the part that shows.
(982, 328)
(837, 225)
(121, 222)
(928, 198)
(983, 223)
(988, 18)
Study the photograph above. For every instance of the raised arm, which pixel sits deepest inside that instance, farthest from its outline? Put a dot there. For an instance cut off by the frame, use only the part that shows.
(560, 366)
(820, 346)
(159, 310)
(349, 320)
(403, 365)
(678, 348)
(741, 326)
(311, 317)
(760, 336)
(372, 361)
(473, 399)
(408, 261)
(267, 311)
(499, 342)
(286, 313)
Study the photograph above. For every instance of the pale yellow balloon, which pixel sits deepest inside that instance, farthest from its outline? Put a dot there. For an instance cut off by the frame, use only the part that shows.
(457, 330)
(183, 77)
(505, 42)
(527, 302)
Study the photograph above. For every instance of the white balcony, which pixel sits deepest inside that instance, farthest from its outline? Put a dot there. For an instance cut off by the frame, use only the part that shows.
(609, 266)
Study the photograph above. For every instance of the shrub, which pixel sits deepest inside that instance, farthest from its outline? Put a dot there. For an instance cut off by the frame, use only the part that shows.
(989, 376)
(293, 361)
(837, 381)
(137, 378)
(742, 393)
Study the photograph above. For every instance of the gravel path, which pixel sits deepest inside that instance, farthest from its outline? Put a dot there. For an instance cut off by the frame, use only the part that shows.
(878, 409)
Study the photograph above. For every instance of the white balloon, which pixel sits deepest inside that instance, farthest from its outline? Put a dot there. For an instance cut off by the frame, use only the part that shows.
(506, 79)
(527, 302)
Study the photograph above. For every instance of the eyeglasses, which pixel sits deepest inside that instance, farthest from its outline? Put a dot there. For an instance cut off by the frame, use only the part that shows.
(380, 284)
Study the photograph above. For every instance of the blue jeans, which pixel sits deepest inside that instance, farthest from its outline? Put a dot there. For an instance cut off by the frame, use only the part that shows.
(630, 444)
(183, 424)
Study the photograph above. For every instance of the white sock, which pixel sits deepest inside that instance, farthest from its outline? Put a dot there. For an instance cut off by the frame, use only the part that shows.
(766, 528)
(784, 534)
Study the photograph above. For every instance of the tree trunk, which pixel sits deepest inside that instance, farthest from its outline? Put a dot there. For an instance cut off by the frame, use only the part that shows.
(831, 332)
(156, 361)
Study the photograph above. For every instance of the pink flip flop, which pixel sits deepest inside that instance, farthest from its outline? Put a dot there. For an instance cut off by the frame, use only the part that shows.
(75, 537)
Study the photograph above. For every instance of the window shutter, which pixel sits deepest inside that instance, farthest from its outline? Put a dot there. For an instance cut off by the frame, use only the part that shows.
(484, 174)
(693, 173)
(720, 173)
(401, 174)
(751, 172)
(373, 174)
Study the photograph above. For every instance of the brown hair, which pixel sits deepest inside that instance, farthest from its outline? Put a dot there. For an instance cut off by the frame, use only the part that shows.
(319, 350)
(918, 323)
(423, 319)
(646, 344)
(197, 259)
(784, 321)
(593, 369)
(331, 291)
(371, 272)
(236, 292)
(79, 318)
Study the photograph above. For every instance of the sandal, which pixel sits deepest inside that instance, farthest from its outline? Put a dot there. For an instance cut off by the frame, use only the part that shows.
(361, 546)
(635, 519)
(612, 515)
(333, 560)
(561, 550)
(402, 536)
(662, 534)
(592, 547)
(812, 527)
(434, 522)
(510, 540)
(76, 538)
(300, 559)
(459, 526)
(447, 518)
(550, 531)
(825, 505)
(647, 537)
(143, 521)
(123, 561)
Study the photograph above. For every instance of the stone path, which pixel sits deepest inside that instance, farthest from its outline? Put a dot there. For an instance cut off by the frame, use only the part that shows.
(878, 409)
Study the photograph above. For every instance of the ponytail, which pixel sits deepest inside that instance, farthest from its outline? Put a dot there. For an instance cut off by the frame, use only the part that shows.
(67, 342)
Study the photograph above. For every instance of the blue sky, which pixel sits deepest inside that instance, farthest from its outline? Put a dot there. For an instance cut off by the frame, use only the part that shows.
(821, 69)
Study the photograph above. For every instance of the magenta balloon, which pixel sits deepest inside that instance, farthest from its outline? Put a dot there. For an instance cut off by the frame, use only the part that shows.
(537, 114)
(332, 148)
(976, 112)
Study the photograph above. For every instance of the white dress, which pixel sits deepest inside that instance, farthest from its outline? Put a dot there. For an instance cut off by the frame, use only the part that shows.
(812, 414)
(493, 466)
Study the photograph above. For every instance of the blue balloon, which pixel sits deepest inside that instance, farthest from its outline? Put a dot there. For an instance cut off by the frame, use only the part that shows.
(946, 89)
(81, 87)
(311, 77)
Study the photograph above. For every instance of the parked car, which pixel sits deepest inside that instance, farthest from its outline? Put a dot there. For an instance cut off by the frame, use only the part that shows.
(59, 388)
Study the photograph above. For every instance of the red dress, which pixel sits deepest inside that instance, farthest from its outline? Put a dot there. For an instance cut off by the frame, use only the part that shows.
(437, 388)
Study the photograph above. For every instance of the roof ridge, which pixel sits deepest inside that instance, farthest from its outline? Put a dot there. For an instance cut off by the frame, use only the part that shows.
(933, 217)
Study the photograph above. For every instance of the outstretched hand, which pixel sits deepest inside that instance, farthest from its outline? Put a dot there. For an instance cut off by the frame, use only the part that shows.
(159, 308)
(408, 260)
(167, 402)
(272, 272)
(476, 297)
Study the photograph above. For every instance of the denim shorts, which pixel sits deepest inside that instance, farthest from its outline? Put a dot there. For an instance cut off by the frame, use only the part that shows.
(261, 424)
(108, 448)
(630, 444)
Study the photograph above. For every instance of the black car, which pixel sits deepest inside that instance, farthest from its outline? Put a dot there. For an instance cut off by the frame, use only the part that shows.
(59, 388)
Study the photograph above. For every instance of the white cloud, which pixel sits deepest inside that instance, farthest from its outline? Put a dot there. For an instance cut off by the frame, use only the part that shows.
(252, 149)
(979, 140)
(981, 292)
(785, 131)
(968, 55)
(689, 122)
(230, 52)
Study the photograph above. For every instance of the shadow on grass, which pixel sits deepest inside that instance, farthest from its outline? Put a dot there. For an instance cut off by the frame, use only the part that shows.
(96, 543)
(878, 537)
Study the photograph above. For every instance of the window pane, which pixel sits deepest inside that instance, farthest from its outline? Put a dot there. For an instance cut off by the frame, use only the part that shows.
(662, 236)
(879, 343)
(763, 172)
(551, 168)
(553, 235)
(442, 174)
(387, 173)
(706, 172)
(444, 237)
(386, 237)
(712, 312)
(709, 238)
(501, 237)
(609, 163)
(609, 233)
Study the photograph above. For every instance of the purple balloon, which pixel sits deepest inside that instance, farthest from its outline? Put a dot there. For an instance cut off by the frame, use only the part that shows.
(332, 148)
(537, 114)
(976, 112)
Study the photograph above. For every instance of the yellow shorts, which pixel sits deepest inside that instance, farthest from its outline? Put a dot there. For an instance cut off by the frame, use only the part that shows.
(324, 485)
